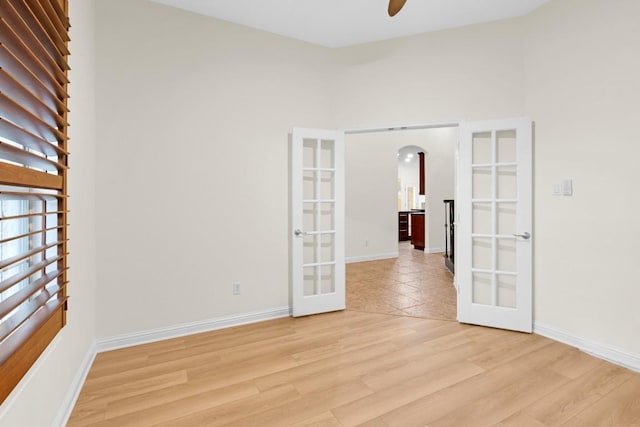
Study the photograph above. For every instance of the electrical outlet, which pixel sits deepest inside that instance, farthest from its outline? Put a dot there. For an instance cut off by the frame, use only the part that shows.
(236, 288)
(366, 243)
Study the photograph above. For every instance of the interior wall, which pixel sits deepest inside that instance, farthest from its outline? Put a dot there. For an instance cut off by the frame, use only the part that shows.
(582, 89)
(41, 395)
(371, 220)
(193, 163)
(468, 73)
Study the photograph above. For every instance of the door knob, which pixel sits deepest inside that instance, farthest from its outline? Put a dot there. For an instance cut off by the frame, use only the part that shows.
(299, 232)
(525, 235)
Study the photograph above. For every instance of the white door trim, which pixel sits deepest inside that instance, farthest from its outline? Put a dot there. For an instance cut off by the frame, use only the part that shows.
(400, 127)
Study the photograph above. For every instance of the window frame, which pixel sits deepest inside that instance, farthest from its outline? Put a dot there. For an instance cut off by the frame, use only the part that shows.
(34, 37)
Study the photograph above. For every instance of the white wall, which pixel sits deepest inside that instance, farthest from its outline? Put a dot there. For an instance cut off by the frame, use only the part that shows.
(469, 73)
(39, 398)
(582, 90)
(192, 163)
(372, 188)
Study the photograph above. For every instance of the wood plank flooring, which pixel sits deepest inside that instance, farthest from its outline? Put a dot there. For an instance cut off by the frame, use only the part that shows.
(414, 284)
(355, 368)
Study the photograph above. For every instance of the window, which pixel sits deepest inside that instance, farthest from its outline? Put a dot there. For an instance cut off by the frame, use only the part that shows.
(33, 181)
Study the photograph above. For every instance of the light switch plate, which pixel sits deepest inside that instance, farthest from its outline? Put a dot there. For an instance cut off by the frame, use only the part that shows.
(563, 188)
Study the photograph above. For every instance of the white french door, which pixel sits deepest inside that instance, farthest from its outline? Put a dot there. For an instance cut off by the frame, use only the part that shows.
(493, 269)
(317, 221)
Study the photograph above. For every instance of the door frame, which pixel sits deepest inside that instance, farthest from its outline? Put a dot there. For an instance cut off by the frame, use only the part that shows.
(431, 125)
(400, 127)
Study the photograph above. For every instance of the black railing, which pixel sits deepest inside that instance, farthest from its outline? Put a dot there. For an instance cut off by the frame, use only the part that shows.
(450, 234)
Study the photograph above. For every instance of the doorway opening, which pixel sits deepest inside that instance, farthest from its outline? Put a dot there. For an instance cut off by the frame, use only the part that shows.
(388, 272)
(411, 195)
(493, 255)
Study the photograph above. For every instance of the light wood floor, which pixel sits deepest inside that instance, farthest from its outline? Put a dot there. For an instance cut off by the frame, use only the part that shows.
(354, 368)
(414, 284)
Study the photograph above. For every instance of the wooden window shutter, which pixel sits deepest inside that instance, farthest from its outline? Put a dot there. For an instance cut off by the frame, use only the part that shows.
(33, 181)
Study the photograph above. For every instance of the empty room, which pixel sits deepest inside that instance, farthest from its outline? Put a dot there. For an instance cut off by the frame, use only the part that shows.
(201, 208)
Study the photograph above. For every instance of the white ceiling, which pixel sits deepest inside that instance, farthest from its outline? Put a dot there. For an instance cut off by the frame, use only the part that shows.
(338, 23)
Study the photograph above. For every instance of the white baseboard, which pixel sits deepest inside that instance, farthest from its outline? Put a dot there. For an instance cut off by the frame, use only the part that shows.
(433, 250)
(174, 331)
(596, 349)
(76, 386)
(602, 351)
(374, 257)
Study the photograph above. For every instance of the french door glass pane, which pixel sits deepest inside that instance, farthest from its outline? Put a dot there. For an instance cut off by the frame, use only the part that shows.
(327, 279)
(506, 255)
(482, 288)
(327, 186)
(309, 249)
(318, 217)
(481, 219)
(507, 182)
(327, 217)
(310, 284)
(482, 148)
(319, 280)
(318, 248)
(506, 146)
(506, 286)
(482, 183)
(318, 185)
(482, 253)
(309, 185)
(309, 216)
(327, 248)
(309, 151)
(327, 154)
(506, 219)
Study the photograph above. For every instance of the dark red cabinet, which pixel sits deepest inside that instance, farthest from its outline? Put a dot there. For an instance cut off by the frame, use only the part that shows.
(403, 226)
(417, 230)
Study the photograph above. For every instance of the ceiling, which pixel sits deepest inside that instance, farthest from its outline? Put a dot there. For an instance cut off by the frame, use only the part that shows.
(339, 23)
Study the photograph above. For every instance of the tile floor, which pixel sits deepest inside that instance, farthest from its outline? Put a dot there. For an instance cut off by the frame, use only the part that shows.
(414, 284)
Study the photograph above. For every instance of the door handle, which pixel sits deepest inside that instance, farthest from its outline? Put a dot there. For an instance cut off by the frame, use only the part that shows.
(299, 232)
(525, 235)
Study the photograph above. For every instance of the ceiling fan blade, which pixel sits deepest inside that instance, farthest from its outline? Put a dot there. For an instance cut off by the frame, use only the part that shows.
(395, 6)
